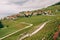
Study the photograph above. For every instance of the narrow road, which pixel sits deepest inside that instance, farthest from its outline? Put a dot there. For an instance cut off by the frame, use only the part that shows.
(17, 30)
(37, 30)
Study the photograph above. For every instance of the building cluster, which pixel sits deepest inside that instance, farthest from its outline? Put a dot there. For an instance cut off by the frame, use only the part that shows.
(12, 16)
(29, 14)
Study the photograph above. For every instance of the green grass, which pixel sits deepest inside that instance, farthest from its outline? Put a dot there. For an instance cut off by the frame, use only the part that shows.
(46, 32)
(11, 28)
(50, 28)
(36, 20)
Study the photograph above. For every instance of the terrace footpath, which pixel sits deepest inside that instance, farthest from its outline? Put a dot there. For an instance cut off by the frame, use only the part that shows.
(37, 30)
(17, 30)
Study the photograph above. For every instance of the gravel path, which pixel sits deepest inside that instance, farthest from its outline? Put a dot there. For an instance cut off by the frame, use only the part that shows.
(17, 30)
(37, 30)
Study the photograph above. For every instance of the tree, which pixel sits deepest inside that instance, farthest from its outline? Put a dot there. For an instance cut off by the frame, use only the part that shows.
(1, 25)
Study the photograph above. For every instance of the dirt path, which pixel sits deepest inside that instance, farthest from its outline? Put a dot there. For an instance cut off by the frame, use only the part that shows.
(27, 35)
(17, 30)
(39, 28)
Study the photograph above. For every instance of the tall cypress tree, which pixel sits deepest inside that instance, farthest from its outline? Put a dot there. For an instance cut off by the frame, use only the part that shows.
(1, 25)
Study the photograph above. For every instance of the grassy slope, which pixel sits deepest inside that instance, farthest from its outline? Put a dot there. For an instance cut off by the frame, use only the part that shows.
(50, 28)
(12, 26)
(36, 20)
(46, 32)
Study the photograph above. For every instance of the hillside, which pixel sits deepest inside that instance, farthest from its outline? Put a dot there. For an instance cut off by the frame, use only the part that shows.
(57, 3)
(37, 18)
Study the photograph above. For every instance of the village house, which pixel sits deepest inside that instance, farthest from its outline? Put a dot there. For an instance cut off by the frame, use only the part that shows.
(49, 12)
(11, 17)
(46, 13)
(28, 13)
(39, 12)
(34, 12)
(17, 15)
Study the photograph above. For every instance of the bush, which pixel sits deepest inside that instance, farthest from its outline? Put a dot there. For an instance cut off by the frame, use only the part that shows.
(1, 25)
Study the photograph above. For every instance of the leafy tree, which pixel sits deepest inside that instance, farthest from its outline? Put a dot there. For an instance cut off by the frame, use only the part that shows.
(1, 25)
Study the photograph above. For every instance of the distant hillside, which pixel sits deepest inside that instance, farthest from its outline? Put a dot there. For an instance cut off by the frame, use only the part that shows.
(57, 3)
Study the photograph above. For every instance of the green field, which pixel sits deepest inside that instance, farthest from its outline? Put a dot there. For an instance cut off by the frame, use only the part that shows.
(36, 20)
(12, 27)
(46, 32)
